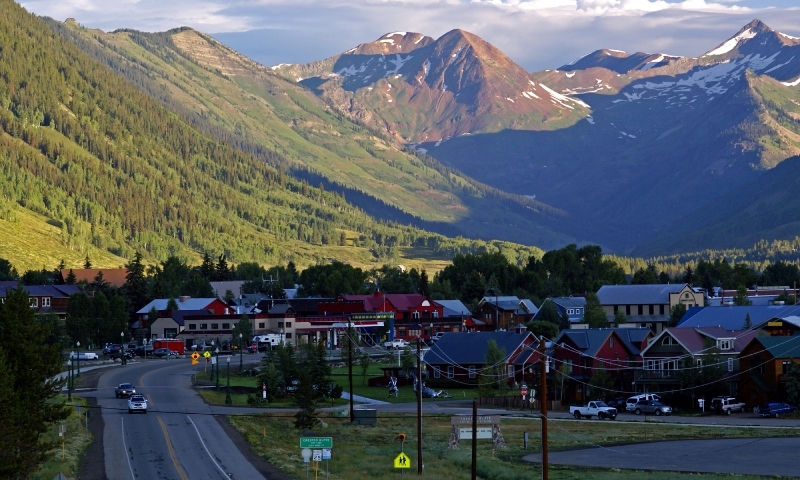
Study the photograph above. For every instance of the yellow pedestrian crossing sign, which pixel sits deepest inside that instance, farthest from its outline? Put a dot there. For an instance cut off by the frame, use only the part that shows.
(402, 461)
(206, 354)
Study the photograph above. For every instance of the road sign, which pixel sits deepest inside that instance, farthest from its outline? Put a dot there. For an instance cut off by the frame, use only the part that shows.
(482, 432)
(195, 356)
(317, 456)
(206, 354)
(326, 453)
(402, 461)
(316, 442)
(306, 453)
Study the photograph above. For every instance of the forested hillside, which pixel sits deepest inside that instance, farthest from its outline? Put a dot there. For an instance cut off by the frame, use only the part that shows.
(110, 167)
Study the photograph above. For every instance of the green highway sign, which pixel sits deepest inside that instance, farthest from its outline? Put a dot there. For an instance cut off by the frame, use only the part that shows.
(316, 442)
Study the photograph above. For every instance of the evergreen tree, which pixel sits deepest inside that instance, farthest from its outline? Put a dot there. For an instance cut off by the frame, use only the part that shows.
(544, 329)
(7, 271)
(793, 383)
(305, 399)
(594, 315)
(28, 366)
(245, 327)
(135, 287)
(87, 263)
(620, 318)
(741, 299)
(748, 323)
(71, 279)
(676, 314)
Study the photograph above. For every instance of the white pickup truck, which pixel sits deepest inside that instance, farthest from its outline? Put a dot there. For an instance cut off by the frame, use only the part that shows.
(595, 407)
(396, 343)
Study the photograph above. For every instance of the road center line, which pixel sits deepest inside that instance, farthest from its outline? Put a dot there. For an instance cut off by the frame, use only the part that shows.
(172, 451)
(125, 448)
(224, 474)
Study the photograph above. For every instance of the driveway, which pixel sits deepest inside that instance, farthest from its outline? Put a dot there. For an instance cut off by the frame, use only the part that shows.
(762, 456)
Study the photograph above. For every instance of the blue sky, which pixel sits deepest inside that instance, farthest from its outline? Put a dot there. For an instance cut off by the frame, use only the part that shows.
(537, 34)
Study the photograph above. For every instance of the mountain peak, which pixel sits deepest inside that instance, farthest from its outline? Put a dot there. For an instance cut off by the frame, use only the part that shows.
(757, 26)
(751, 30)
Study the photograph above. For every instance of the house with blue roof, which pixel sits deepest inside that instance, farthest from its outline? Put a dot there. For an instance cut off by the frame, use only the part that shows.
(44, 299)
(460, 356)
(581, 353)
(734, 317)
(572, 307)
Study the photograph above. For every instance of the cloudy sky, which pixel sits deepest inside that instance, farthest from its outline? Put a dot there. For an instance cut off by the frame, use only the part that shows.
(537, 34)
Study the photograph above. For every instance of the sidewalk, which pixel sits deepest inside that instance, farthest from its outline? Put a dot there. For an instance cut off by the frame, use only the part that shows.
(360, 399)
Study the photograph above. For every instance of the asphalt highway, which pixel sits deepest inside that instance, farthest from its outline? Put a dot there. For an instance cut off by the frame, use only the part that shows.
(178, 439)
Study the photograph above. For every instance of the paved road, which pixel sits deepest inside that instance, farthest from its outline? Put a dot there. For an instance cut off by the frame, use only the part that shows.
(766, 456)
(177, 439)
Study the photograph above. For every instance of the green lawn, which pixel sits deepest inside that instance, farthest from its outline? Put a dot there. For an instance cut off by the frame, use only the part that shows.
(367, 452)
(74, 444)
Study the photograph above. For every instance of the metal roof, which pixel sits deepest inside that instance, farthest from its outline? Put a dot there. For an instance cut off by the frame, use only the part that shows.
(637, 294)
(733, 317)
(781, 347)
(469, 348)
(453, 308)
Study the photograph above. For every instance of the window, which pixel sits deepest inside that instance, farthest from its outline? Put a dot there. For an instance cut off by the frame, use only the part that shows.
(571, 311)
(449, 371)
(288, 324)
(45, 301)
(436, 314)
(215, 326)
(472, 371)
(415, 314)
(601, 363)
(699, 362)
(650, 365)
(667, 340)
(611, 342)
(261, 325)
(661, 309)
(651, 309)
(511, 371)
(724, 344)
(436, 372)
(288, 335)
(568, 363)
(640, 310)
(280, 324)
(226, 326)
(786, 364)
(668, 365)
(192, 326)
(627, 309)
(203, 326)
(730, 364)
(34, 302)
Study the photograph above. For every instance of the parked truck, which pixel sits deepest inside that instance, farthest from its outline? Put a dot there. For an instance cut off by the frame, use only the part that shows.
(268, 341)
(595, 407)
(395, 344)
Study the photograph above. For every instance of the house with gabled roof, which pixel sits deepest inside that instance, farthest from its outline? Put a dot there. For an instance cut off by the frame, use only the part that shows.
(765, 361)
(503, 312)
(572, 307)
(460, 357)
(584, 351)
(44, 299)
(414, 314)
(663, 357)
(648, 305)
(734, 317)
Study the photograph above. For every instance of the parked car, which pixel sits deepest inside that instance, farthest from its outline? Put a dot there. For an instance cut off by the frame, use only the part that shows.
(137, 403)
(630, 403)
(113, 350)
(162, 352)
(396, 343)
(83, 356)
(726, 405)
(618, 403)
(124, 390)
(593, 408)
(142, 349)
(775, 409)
(652, 406)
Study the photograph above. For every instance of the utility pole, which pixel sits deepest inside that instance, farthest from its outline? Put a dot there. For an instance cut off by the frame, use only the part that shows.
(543, 386)
(419, 409)
(350, 370)
(474, 439)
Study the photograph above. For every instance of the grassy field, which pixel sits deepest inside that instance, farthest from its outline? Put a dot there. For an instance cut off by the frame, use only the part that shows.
(368, 452)
(75, 443)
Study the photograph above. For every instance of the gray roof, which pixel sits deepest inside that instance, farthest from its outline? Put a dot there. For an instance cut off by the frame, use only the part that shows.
(529, 306)
(637, 294)
(189, 304)
(58, 291)
(179, 315)
(733, 317)
(590, 340)
(453, 308)
(569, 302)
(469, 348)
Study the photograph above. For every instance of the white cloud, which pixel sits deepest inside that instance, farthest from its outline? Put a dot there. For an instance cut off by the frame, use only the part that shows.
(537, 34)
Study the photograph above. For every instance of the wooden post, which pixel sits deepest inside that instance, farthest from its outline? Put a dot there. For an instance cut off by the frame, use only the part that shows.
(543, 351)
(419, 409)
(474, 439)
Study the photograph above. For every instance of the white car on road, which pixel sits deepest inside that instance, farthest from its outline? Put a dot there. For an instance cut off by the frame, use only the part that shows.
(137, 403)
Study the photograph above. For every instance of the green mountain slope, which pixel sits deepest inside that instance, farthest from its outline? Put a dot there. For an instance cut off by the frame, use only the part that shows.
(112, 169)
(241, 102)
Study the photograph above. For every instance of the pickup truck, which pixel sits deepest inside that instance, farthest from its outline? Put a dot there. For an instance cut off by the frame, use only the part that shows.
(595, 407)
(726, 405)
(396, 343)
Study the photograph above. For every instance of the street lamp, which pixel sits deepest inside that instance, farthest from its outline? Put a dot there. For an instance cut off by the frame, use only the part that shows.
(79, 358)
(212, 360)
(281, 336)
(228, 400)
(122, 345)
(212, 366)
(240, 352)
(70, 379)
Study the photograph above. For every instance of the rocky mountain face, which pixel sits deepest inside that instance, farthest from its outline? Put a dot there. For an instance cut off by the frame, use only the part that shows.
(664, 137)
(419, 89)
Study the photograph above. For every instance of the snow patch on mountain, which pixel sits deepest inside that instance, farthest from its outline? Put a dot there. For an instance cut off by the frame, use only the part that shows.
(562, 99)
(402, 34)
(279, 66)
(388, 40)
(570, 75)
(792, 84)
(731, 44)
(398, 62)
(455, 55)
(779, 66)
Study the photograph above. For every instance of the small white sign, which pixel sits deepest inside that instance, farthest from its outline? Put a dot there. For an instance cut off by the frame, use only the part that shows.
(326, 453)
(481, 432)
(213, 360)
(317, 455)
(306, 453)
